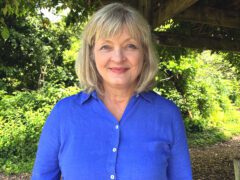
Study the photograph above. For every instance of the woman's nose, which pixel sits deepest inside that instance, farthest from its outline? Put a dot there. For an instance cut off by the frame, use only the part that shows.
(118, 55)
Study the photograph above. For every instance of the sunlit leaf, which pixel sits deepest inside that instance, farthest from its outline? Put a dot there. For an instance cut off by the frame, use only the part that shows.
(5, 33)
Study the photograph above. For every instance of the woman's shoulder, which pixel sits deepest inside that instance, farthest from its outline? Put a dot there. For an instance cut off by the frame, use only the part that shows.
(159, 101)
(75, 99)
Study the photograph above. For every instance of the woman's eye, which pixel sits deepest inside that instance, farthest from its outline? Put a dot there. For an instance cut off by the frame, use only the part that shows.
(105, 47)
(131, 46)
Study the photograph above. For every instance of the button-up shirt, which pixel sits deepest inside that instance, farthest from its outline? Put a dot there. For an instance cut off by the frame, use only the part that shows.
(82, 140)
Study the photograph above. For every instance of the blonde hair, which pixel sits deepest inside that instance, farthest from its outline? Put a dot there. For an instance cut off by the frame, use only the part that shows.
(108, 22)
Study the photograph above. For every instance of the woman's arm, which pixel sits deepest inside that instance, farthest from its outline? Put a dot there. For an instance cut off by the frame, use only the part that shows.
(46, 165)
(179, 162)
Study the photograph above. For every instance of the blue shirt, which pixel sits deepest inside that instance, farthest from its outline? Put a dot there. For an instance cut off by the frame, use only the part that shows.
(82, 140)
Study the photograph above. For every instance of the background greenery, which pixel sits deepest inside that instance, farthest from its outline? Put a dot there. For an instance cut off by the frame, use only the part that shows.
(37, 69)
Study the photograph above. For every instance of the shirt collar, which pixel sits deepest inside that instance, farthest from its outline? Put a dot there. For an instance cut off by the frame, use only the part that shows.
(146, 96)
(85, 96)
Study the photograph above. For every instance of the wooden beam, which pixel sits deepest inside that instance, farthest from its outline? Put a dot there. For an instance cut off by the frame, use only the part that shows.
(233, 4)
(211, 16)
(179, 40)
(170, 8)
(145, 7)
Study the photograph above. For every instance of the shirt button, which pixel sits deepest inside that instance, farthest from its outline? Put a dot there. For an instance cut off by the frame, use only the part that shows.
(114, 149)
(116, 126)
(112, 177)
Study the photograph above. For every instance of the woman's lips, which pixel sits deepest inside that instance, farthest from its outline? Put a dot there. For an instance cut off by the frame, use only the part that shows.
(118, 70)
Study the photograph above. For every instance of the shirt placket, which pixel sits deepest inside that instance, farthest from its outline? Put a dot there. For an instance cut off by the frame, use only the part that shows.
(115, 139)
(114, 151)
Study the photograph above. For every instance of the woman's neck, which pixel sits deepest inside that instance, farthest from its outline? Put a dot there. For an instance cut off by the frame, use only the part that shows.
(117, 95)
(116, 100)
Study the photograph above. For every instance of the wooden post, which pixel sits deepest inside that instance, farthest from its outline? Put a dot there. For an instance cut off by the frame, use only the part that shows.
(236, 163)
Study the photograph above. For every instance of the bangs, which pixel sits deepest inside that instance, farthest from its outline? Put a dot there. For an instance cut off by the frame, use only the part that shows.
(114, 25)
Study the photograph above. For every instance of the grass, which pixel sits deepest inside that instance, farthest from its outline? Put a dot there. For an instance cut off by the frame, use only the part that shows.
(225, 130)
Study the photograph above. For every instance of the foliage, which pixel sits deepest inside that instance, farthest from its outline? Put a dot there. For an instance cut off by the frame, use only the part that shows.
(34, 55)
(22, 116)
(204, 86)
(212, 135)
(79, 11)
(233, 58)
(34, 47)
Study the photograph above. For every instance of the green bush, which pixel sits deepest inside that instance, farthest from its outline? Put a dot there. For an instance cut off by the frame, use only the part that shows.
(204, 85)
(22, 116)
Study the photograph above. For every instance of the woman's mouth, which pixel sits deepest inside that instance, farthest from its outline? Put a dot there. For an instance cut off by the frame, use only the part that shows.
(118, 70)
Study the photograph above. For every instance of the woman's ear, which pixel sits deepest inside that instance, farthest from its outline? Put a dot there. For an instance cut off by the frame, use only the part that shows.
(92, 57)
(91, 53)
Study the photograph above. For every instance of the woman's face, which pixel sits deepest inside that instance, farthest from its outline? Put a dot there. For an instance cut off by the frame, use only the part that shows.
(119, 60)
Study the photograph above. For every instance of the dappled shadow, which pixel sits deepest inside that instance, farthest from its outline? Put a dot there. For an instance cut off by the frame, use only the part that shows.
(24, 176)
(215, 162)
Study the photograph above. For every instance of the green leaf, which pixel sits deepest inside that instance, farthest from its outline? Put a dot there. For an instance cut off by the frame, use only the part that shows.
(2, 21)
(5, 10)
(5, 33)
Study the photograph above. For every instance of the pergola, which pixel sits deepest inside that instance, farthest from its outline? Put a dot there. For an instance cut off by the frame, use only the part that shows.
(207, 24)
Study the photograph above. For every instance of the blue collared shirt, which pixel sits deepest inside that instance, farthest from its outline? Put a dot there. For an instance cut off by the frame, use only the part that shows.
(82, 140)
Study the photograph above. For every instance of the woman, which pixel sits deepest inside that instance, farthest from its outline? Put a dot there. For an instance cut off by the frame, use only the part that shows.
(116, 128)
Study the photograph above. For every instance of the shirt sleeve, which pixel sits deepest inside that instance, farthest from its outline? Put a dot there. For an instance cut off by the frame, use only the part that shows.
(46, 165)
(179, 163)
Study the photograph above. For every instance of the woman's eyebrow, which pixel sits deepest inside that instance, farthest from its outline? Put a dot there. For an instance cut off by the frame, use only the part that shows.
(111, 41)
(129, 39)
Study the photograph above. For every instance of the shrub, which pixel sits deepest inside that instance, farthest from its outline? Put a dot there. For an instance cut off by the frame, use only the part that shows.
(22, 116)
